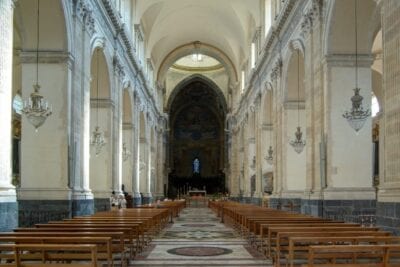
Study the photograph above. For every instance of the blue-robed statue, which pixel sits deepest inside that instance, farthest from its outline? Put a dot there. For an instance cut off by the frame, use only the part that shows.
(196, 166)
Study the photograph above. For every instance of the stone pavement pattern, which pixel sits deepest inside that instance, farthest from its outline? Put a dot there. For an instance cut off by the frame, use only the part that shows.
(197, 238)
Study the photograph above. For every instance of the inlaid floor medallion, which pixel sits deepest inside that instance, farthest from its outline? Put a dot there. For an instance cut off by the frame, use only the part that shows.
(198, 225)
(199, 251)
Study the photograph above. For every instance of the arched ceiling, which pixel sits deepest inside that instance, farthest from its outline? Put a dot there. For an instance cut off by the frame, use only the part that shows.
(226, 24)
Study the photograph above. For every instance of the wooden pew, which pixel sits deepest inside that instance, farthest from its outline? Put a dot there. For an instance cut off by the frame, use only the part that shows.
(263, 237)
(298, 246)
(117, 238)
(137, 236)
(127, 232)
(275, 230)
(104, 244)
(49, 255)
(354, 256)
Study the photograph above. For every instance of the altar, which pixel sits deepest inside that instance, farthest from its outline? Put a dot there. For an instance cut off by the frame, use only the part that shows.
(197, 193)
(196, 198)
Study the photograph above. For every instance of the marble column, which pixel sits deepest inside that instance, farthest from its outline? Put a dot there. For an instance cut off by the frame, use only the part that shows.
(258, 194)
(127, 158)
(147, 158)
(8, 204)
(82, 197)
(388, 206)
(137, 200)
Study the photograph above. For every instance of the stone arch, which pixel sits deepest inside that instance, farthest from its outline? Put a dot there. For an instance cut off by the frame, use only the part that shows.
(202, 48)
(100, 116)
(294, 115)
(339, 33)
(190, 79)
(289, 76)
(53, 36)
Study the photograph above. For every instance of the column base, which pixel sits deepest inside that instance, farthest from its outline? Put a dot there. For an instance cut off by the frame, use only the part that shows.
(101, 204)
(8, 216)
(147, 198)
(136, 199)
(388, 216)
(82, 203)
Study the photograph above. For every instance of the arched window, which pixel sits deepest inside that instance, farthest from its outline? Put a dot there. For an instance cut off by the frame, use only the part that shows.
(17, 104)
(196, 166)
(374, 105)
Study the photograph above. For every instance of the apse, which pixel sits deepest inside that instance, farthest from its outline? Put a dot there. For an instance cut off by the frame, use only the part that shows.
(197, 139)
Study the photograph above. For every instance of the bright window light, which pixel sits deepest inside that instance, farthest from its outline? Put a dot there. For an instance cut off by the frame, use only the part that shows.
(374, 105)
(253, 55)
(243, 82)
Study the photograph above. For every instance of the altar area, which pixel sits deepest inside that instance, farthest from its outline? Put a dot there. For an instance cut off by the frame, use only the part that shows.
(198, 193)
(196, 198)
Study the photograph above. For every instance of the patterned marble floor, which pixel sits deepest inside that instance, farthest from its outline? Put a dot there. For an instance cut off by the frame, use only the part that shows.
(197, 238)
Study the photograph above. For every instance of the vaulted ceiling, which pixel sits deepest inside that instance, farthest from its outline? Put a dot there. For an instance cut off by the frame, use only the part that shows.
(227, 25)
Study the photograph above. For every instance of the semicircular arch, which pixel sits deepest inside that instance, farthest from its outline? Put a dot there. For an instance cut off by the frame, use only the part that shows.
(199, 47)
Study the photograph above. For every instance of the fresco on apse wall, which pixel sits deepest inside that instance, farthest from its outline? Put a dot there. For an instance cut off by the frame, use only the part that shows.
(196, 124)
(196, 142)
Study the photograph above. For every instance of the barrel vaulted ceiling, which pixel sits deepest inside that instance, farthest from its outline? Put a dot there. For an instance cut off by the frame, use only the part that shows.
(227, 25)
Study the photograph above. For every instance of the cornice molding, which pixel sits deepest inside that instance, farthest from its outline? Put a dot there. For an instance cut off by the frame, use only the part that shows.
(101, 103)
(349, 60)
(49, 57)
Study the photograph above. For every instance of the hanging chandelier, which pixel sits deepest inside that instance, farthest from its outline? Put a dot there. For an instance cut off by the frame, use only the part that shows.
(357, 116)
(125, 152)
(97, 138)
(269, 158)
(298, 143)
(36, 108)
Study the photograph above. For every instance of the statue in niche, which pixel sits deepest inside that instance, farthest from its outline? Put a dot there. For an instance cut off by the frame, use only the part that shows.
(196, 166)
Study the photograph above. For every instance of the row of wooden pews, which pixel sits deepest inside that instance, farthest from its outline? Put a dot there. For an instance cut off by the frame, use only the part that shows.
(102, 239)
(292, 239)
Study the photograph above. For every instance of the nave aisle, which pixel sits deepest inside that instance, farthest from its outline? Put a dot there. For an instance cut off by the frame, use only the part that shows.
(197, 238)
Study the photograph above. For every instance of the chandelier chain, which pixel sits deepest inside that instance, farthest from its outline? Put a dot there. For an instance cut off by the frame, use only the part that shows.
(37, 41)
(356, 40)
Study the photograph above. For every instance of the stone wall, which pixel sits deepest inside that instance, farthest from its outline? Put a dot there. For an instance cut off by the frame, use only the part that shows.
(31, 212)
(388, 216)
(101, 204)
(8, 216)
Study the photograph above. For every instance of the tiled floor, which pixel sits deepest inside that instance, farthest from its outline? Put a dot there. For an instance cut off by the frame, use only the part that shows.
(197, 238)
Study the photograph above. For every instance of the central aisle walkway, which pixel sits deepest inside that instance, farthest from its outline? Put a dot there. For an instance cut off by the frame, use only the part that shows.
(197, 238)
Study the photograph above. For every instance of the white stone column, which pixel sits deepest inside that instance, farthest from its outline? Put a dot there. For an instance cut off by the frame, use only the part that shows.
(160, 156)
(389, 190)
(8, 206)
(6, 54)
(116, 142)
(147, 157)
(258, 149)
(80, 114)
(127, 162)
(136, 153)
(278, 129)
